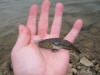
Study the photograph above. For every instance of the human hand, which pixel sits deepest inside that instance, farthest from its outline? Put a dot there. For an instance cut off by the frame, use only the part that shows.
(28, 58)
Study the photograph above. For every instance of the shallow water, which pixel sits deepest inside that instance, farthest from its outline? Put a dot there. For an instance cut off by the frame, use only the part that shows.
(15, 12)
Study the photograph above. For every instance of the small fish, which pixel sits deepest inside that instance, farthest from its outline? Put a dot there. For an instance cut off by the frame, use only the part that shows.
(56, 44)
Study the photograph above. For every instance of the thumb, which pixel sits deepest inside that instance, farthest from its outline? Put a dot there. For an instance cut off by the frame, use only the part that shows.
(24, 37)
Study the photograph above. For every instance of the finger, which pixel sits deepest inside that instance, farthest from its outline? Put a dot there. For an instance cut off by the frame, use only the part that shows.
(31, 23)
(75, 31)
(56, 26)
(43, 21)
(24, 37)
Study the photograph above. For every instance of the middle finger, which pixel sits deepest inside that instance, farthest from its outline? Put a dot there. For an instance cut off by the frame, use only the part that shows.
(43, 21)
(56, 26)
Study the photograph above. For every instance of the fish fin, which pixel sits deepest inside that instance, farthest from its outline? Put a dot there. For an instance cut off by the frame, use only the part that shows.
(56, 47)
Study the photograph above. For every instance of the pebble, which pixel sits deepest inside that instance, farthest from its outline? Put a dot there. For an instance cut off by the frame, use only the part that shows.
(70, 69)
(74, 70)
(85, 61)
(78, 67)
(98, 73)
(97, 67)
(74, 58)
(84, 72)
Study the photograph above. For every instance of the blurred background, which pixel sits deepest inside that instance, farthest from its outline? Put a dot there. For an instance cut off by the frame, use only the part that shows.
(15, 12)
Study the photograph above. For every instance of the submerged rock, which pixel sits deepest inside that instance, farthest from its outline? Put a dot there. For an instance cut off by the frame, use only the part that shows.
(85, 61)
(74, 58)
(69, 69)
(74, 71)
(84, 72)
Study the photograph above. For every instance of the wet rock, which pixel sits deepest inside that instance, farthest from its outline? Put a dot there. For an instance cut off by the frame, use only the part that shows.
(88, 44)
(78, 67)
(84, 72)
(98, 73)
(97, 67)
(70, 69)
(74, 58)
(88, 26)
(74, 70)
(85, 61)
(5, 67)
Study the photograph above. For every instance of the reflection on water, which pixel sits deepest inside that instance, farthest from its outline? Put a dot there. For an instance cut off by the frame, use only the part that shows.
(14, 12)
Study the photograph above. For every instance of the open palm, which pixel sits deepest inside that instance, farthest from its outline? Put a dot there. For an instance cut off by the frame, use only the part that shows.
(28, 58)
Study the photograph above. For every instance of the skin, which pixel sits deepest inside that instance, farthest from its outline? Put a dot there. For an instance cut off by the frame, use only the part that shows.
(29, 59)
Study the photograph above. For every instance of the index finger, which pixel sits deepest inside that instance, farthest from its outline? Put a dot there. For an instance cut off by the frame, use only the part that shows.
(74, 31)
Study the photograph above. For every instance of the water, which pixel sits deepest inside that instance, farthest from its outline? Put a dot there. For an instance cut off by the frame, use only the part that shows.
(15, 12)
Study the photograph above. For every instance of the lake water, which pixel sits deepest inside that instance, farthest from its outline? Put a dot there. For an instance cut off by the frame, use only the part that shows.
(15, 12)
